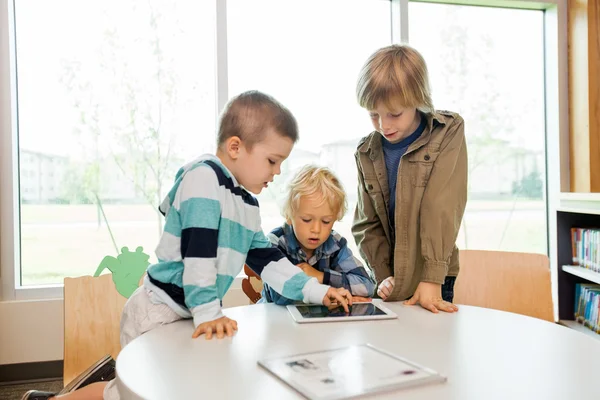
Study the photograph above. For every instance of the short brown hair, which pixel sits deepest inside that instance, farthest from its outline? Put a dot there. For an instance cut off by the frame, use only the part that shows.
(250, 114)
(393, 75)
(312, 179)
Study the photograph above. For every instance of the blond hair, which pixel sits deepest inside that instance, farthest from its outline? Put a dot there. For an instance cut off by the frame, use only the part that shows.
(395, 75)
(312, 179)
(250, 114)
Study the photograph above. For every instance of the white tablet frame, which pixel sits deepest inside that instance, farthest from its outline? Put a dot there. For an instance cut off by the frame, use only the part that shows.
(389, 314)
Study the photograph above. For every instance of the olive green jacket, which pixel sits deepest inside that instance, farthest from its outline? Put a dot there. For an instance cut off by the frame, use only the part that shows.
(431, 195)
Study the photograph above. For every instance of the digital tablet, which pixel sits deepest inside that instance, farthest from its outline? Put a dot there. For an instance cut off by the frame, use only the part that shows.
(304, 313)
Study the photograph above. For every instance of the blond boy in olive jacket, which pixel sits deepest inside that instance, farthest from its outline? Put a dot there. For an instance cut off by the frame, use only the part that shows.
(412, 173)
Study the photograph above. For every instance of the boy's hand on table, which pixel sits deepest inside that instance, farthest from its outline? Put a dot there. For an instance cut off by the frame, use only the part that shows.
(219, 326)
(428, 295)
(340, 296)
(310, 271)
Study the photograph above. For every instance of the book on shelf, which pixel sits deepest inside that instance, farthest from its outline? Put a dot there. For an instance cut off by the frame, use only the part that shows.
(585, 248)
(587, 304)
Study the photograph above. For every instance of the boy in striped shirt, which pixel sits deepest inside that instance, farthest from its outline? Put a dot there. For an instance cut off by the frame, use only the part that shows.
(212, 228)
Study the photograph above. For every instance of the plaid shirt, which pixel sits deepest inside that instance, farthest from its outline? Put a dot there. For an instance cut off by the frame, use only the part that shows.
(333, 258)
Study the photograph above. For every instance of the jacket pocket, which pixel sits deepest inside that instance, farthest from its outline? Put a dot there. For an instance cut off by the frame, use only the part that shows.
(373, 189)
(420, 166)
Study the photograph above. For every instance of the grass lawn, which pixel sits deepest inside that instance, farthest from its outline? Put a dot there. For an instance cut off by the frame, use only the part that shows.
(67, 240)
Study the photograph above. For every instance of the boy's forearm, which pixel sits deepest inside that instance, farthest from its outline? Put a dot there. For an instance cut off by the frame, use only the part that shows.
(207, 312)
(284, 277)
(357, 284)
(348, 271)
(200, 289)
(279, 299)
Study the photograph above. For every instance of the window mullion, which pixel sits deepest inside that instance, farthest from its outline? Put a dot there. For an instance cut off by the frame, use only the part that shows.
(9, 228)
(222, 71)
(399, 14)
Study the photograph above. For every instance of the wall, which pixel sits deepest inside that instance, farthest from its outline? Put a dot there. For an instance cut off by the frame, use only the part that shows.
(584, 94)
(32, 331)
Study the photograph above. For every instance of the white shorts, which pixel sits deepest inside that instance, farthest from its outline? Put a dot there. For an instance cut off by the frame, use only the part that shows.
(140, 315)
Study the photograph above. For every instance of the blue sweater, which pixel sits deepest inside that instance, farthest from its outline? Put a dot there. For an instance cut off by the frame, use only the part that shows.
(392, 153)
(212, 228)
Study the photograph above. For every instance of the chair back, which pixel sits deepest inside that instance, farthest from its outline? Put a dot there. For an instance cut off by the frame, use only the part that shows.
(507, 281)
(92, 316)
(252, 285)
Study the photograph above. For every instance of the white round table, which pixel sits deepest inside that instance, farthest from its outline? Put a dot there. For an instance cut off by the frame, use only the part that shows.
(485, 354)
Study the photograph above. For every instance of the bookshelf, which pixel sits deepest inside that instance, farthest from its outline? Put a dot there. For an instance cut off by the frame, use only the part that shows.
(581, 210)
(581, 272)
(579, 328)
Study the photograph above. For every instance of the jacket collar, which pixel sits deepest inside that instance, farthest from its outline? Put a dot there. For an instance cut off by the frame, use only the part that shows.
(372, 143)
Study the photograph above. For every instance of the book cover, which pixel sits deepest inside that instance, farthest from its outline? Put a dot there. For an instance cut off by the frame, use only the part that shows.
(325, 375)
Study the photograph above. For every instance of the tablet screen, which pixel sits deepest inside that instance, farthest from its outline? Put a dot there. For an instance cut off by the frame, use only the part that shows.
(316, 311)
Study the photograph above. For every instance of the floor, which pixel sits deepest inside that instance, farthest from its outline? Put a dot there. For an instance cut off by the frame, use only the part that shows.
(15, 392)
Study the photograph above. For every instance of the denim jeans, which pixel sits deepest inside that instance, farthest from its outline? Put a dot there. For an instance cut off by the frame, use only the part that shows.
(448, 289)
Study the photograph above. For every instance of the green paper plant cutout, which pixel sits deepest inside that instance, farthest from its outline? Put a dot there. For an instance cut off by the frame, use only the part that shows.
(127, 269)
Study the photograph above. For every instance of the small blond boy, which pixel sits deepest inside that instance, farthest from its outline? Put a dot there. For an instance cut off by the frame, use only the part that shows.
(315, 199)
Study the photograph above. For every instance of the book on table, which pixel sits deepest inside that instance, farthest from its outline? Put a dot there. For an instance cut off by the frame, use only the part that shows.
(348, 372)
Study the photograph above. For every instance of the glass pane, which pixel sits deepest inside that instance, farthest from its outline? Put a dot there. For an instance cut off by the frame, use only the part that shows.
(113, 97)
(308, 55)
(494, 77)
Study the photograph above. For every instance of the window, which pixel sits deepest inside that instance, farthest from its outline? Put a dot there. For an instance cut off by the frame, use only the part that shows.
(494, 77)
(111, 103)
(310, 62)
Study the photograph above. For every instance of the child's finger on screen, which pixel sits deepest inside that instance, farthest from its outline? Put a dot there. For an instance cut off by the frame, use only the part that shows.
(342, 300)
(346, 294)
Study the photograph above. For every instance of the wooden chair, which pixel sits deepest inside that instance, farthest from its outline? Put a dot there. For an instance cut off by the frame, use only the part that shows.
(252, 285)
(515, 282)
(93, 309)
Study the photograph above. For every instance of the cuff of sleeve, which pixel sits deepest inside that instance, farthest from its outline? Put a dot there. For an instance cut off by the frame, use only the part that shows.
(381, 272)
(207, 312)
(315, 293)
(326, 278)
(434, 271)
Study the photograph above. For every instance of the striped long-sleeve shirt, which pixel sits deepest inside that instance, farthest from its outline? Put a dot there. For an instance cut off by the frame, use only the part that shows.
(333, 258)
(212, 227)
